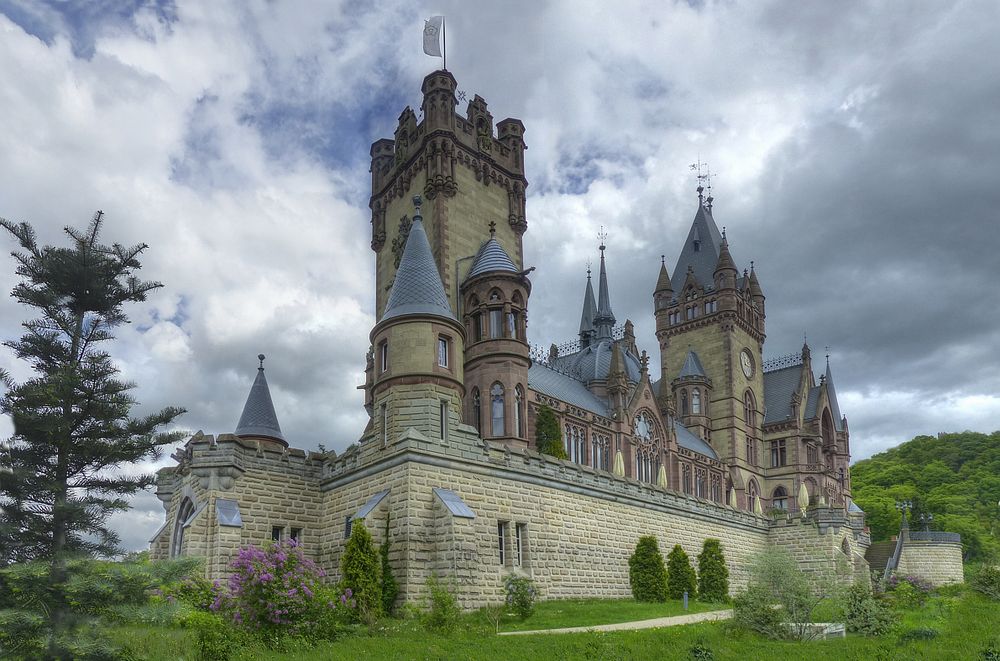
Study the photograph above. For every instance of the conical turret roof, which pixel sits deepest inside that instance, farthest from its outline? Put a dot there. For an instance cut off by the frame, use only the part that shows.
(755, 289)
(663, 281)
(491, 257)
(417, 288)
(692, 366)
(725, 261)
(258, 418)
(831, 393)
(604, 320)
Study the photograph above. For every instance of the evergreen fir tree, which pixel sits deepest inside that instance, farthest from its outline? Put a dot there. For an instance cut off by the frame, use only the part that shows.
(361, 572)
(646, 573)
(713, 575)
(548, 439)
(680, 574)
(72, 419)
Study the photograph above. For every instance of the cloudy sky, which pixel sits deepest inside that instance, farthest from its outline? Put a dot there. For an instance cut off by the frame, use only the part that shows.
(855, 147)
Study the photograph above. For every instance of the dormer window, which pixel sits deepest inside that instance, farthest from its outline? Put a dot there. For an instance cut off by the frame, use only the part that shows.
(697, 245)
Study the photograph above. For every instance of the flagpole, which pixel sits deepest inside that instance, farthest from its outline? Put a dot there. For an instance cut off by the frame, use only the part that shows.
(444, 38)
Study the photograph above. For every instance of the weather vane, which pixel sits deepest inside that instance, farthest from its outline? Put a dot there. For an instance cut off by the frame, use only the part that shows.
(603, 236)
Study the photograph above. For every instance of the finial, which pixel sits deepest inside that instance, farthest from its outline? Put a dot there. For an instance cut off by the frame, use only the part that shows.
(745, 273)
(493, 228)
(827, 356)
(663, 260)
(603, 236)
(260, 357)
(724, 232)
(588, 269)
(416, 206)
(751, 265)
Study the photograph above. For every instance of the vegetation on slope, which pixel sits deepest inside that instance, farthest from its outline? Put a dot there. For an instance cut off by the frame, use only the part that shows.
(954, 477)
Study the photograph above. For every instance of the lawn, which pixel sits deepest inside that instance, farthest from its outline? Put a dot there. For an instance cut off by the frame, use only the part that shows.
(589, 612)
(965, 625)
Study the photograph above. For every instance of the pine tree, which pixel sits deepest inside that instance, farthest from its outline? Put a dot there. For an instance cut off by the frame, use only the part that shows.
(713, 575)
(680, 574)
(361, 572)
(548, 439)
(646, 573)
(72, 419)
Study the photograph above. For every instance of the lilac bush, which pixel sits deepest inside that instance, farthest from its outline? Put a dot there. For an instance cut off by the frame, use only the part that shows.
(277, 591)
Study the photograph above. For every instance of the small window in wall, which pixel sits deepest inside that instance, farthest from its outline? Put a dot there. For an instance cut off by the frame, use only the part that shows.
(296, 534)
(478, 326)
(520, 541)
(443, 418)
(347, 527)
(497, 406)
(443, 352)
(502, 541)
(684, 402)
(696, 401)
(385, 425)
(276, 533)
(383, 357)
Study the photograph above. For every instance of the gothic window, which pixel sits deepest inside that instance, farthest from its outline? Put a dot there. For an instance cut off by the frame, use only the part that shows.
(717, 488)
(778, 454)
(512, 325)
(686, 478)
(780, 499)
(184, 512)
(751, 450)
(749, 411)
(519, 411)
(477, 410)
(696, 401)
(478, 326)
(645, 469)
(600, 451)
(700, 483)
(812, 454)
(575, 443)
(752, 492)
(497, 409)
(684, 402)
(496, 323)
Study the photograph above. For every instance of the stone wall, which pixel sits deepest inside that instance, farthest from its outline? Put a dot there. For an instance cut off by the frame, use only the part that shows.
(937, 561)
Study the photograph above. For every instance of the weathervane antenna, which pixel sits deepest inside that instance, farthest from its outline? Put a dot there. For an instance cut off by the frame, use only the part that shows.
(603, 236)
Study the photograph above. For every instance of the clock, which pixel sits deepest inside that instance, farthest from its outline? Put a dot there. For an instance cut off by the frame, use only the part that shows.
(746, 362)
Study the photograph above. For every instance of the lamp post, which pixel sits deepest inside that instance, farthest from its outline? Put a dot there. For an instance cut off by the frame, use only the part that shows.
(925, 520)
(904, 506)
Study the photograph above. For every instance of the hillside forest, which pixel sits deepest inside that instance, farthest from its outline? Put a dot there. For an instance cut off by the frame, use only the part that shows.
(954, 477)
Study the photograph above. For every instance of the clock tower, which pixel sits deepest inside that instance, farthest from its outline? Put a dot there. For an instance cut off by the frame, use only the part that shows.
(710, 327)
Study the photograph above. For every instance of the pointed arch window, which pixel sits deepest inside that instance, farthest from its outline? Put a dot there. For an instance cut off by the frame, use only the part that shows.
(780, 499)
(686, 478)
(696, 401)
(752, 492)
(519, 411)
(497, 406)
(749, 411)
(184, 512)
(477, 411)
(684, 402)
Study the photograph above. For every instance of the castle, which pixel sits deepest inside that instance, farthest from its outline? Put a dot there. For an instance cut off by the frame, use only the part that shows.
(724, 444)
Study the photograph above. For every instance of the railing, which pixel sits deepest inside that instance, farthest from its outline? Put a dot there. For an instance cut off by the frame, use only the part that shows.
(540, 354)
(780, 362)
(935, 536)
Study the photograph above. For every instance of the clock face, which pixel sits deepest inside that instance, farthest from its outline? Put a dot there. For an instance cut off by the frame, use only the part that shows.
(747, 363)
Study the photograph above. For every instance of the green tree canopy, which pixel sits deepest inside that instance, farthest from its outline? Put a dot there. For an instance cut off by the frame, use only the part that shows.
(548, 438)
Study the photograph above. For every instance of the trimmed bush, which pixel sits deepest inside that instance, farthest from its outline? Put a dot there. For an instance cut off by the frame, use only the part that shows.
(713, 575)
(681, 577)
(521, 594)
(646, 573)
(361, 569)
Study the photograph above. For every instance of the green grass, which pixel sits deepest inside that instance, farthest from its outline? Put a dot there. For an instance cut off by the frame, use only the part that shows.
(966, 624)
(561, 613)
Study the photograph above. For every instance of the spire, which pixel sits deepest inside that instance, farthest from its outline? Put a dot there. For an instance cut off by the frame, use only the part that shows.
(588, 314)
(417, 288)
(605, 318)
(755, 290)
(725, 269)
(831, 393)
(663, 282)
(701, 250)
(258, 418)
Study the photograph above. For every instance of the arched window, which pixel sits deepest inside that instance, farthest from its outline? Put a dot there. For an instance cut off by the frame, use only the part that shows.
(497, 409)
(184, 512)
(827, 429)
(700, 483)
(696, 401)
(684, 402)
(717, 488)
(686, 478)
(753, 491)
(780, 499)
(749, 411)
(477, 411)
(519, 410)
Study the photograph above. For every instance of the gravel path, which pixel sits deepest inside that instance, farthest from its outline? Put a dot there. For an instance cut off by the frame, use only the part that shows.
(710, 616)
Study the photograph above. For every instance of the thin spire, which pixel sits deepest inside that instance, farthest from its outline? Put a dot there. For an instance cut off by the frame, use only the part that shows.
(605, 318)
(588, 314)
(663, 281)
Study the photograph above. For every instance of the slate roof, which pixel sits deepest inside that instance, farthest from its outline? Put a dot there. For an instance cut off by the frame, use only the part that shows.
(706, 234)
(491, 257)
(594, 362)
(258, 418)
(812, 402)
(853, 507)
(779, 386)
(686, 439)
(604, 320)
(692, 366)
(831, 392)
(417, 288)
(563, 387)
(589, 308)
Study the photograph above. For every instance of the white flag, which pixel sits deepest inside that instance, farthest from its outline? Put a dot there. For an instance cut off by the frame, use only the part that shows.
(432, 35)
